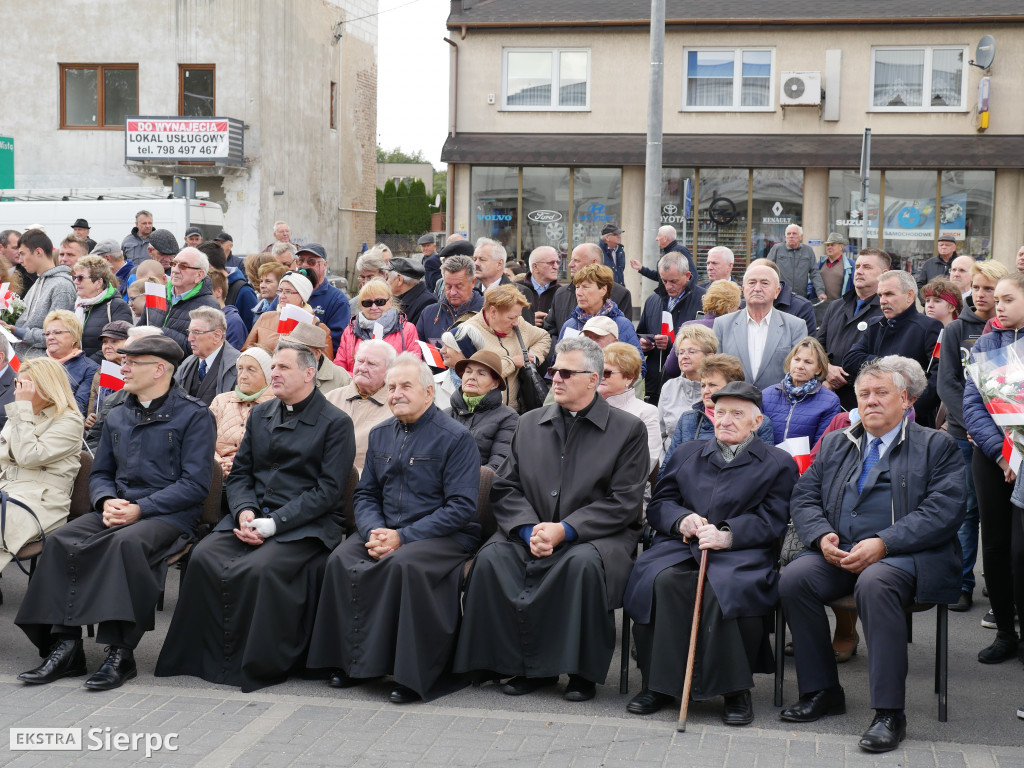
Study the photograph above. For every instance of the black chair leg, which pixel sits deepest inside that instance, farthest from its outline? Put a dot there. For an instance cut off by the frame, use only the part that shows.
(942, 659)
(160, 601)
(780, 653)
(90, 630)
(910, 627)
(624, 666)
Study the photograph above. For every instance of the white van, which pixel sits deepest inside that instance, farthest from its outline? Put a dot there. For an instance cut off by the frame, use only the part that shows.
(108, 218)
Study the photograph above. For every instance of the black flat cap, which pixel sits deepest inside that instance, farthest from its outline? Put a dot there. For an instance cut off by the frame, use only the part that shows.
(610, 229)
(741, 389)
(193, 231)
(163, 241)
(223, 237)
(158, 346)
(460, 247)
(947, 239)
(426, 240)
(407, 268)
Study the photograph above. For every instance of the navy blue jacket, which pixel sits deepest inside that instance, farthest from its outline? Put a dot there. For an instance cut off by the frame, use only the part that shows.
(809, 417)
(161, 461)
(331, 307)
(80, 371)
(689, 304)
(926, 469)
(437, 318)
(244, 300)
(421, 479)
(984, 432)
(174, 322)
(694, 425)
(958, 338)
(615, 261)
(677, 247)
(431, 270)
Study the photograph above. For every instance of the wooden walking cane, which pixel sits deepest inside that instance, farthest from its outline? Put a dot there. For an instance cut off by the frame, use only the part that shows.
(692, 654)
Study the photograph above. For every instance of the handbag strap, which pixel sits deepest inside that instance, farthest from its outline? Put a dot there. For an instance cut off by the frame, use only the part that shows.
(4, 498)
(522, 345)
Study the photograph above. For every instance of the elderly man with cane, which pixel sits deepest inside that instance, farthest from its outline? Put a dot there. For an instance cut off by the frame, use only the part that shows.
(726, 498)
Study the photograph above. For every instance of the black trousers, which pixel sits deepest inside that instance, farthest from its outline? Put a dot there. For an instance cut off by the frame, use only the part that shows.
(1002, 541)
(882, 591)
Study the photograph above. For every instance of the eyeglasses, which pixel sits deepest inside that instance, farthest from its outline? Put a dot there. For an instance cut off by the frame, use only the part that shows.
(309, 260)
(50, 334)
(200, 333)
(185, 265)
(567, 373)
(286, 293)
(82, 278)
(608, 374)
(136, 363)
(374, 302)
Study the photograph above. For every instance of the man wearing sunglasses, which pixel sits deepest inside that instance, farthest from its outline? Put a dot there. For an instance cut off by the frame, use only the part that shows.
(542, 591)
(330, 304)
(187, 289)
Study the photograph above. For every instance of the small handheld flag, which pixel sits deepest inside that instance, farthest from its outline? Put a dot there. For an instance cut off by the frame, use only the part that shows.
(156, 296)
(110, 376)
(432, 355)
(667, 327)
(800, 449)
(291, 316)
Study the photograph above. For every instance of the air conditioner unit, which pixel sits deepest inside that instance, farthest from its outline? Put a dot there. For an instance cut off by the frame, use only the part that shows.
(800, 89)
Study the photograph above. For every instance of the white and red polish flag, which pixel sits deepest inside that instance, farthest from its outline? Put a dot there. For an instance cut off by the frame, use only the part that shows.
(156, 296)
(432, 355)
(110, 376)
(667, 328)
(6, 297)
(291, 316)
(800, 449)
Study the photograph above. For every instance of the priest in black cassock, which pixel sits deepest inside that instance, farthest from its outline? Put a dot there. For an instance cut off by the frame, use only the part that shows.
(390, 601)
(245, 612)
(150, 476)
(542, 592)
(729, 496)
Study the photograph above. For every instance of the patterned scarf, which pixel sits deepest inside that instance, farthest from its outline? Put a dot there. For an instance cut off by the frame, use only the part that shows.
(794, 393)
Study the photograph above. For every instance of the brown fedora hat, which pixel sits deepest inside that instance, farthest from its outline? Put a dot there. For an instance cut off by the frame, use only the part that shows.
(313, 336)
(487, 359)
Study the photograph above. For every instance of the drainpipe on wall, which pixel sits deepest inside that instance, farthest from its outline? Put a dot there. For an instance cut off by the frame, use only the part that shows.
(453, 111)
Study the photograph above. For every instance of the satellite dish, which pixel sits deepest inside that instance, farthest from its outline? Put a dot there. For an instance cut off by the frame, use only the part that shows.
(985, 53)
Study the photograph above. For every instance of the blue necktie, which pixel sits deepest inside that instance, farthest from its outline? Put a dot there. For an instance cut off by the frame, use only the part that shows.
(869, 462)
(202, 375)
(672, 301)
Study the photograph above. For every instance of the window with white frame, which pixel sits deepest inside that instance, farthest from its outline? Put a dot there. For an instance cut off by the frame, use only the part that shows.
(918, 78)
(546, 78)
(729, 79)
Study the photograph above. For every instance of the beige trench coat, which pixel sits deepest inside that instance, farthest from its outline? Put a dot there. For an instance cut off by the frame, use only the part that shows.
(39, 459)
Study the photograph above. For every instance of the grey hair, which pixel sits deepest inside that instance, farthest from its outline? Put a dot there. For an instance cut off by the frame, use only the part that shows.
(592, 353)
(143, 212)
(451, 339)
(304, 354)
(726, 253)
(497, 249)
(536, 253)
(389, 352)
(201, 261)
(214, 318)
(875, 368)
(774, 272)
(278, 248)
(408, 358)
(798, 228)
(905, 280)
(459, 263)
(370, 260)
(668, 231)
(674, 260)
(910, 371)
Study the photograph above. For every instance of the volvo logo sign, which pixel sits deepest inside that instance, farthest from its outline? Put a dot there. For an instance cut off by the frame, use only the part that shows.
(544, 217)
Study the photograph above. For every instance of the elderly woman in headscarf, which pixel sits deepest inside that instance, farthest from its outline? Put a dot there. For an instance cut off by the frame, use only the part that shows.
(460, 343)
(231, 409)
(293, 288)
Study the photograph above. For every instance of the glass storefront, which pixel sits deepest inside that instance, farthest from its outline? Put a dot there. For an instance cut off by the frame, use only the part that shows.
(908, 216)
(845, 208)
(723, 213)
(494, 206)
(677, 188)
(545, 207)
(966, 210)
(777, 200)
(596, 202)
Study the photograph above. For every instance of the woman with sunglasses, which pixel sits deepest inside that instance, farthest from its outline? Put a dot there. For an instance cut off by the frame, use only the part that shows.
(293, 288)
(40, 448)
(99, 302)
(378, 315)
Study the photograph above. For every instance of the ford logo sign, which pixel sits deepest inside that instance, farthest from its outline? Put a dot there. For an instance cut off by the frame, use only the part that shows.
(544, 217)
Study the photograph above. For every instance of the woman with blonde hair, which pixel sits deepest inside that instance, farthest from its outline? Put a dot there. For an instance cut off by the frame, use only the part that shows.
(621, 372)
(721, 298)
(270, 275)
(63, 336)
(497, 322)
(379, 317)
(799, 406)
(293, 288)
(40, 449)
(693, 343)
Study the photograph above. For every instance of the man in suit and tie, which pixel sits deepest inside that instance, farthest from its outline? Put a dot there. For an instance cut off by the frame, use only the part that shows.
(211, 368)
(7, 376)
(878, 513)
(759, 335)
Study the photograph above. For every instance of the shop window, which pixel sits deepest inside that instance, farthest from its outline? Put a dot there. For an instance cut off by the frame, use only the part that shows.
(494, 201)
(677, 188)
(777, 196)
(596, 202)
(966, 210)
(98, 95)
(847, 215)
(196, 90)
(545, 207)
(918, 79)
(722, 214)
(546, 79)
(731, 79)
(909, 221)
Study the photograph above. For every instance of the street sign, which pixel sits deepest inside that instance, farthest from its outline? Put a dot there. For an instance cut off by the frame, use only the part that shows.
(6, 162)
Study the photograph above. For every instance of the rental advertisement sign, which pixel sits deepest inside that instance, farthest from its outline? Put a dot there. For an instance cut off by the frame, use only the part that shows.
(217, 139)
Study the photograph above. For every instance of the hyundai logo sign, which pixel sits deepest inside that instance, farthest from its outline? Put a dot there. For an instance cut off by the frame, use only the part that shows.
(544, 217)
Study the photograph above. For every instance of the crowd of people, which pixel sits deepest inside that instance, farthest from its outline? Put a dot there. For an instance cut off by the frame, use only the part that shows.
(806, 449)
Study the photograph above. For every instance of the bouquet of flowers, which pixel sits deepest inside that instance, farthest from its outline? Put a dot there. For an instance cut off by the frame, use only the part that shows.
(999, 376)
(11, 308)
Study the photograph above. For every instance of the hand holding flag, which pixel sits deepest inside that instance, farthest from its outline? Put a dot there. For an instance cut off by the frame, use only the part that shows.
(156, 296)
(110, 376)
(291, 316)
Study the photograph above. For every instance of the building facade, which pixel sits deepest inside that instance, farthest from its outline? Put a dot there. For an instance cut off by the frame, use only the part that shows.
(765, 105)
(298, 76)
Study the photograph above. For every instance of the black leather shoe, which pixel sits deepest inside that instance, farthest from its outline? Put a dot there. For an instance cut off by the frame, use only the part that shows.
(520, 685)
(579, 689)
(66, 659)
(739, 709)
(886, 731)
(1003, 648)
(340, 680)
(811, 706)
(403, 695)
(117, 669)
(964, 603)
(648, 702)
